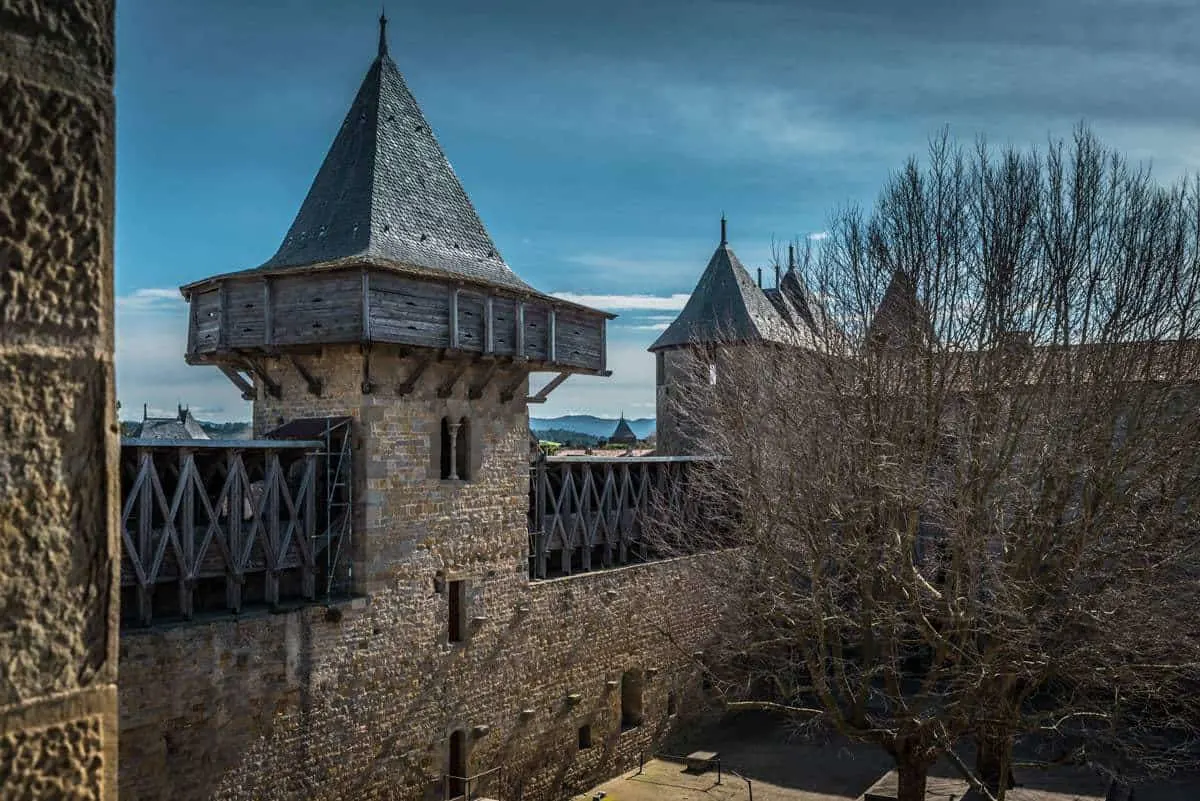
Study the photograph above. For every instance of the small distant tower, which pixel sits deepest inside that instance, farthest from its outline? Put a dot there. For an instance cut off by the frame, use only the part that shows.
(725, 309)
(623, 434)
(388, 304)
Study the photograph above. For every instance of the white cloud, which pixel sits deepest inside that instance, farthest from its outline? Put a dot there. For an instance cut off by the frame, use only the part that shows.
(648, 327)
(148, 299)
(151, 339)
(818, 236)
(673, 302)
(630, 388)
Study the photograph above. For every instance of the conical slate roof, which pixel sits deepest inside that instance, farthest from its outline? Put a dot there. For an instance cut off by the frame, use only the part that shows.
(900, 319)
(623, 433)
(386, 194)
(725, 306)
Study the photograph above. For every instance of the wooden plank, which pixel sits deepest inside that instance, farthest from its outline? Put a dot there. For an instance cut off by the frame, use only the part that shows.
(551, 344)
(366, 306)
(222, 317)
(489, 325)
(145, 517)
(545, 391)
(268, 319)
(187, 530)
(536, 327)
(471, 324)
(520, 323)
(454, 317)
(233, 532)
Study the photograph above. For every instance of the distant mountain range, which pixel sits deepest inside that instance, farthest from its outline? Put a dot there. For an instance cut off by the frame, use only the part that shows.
(597, 427)
(600, 427)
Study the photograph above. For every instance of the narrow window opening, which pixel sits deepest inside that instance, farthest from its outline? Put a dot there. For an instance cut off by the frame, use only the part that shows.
(660, 368)
(456, 764)
(446, 463)
(462, 450)
(585, 737)
(456, 593)
(671, 704)
(631, 699)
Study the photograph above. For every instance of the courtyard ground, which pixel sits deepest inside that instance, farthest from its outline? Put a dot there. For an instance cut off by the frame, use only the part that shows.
(780, 767)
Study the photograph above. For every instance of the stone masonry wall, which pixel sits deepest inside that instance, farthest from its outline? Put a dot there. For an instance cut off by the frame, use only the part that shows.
(57, 421)
(359, 700)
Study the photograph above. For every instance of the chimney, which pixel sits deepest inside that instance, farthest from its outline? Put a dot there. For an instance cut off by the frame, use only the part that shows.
(791, 257)
(760, 277)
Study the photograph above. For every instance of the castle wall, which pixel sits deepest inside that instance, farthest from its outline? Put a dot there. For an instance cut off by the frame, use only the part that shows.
(58, 549)
(359, 700)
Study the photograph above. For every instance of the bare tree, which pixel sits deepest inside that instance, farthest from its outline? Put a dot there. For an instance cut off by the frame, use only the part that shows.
(964, 509)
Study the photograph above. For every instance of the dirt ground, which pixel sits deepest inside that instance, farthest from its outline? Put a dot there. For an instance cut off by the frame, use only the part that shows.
(780, 767)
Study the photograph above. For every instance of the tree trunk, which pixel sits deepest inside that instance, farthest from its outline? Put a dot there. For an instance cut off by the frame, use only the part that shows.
(993, 762)
(912, 775)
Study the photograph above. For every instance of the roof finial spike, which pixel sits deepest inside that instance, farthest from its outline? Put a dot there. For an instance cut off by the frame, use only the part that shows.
(383, 51)
(724, 239)
(791, 256)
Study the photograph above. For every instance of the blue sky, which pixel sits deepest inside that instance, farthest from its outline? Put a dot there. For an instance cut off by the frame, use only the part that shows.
(600, 142)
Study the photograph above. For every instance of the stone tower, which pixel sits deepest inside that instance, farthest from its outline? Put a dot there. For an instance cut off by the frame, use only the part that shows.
(388, 302)
(59, 547)
(726, 310)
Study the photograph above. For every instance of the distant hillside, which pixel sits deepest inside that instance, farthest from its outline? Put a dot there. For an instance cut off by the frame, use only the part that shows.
(567, 438)
(601, 427)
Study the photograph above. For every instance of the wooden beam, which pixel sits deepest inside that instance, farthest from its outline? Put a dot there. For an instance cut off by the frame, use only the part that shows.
(268, 314)
(454, 317)
(315, 385)
(520, 329)
(509, 392)
(604, 345)
(489, 325)
(551, 345)
(255, 366)
(366, 307)
(477, 388)
(545, 391)
(407, 386)
(222, 317)
(239, 381)
(446, 389)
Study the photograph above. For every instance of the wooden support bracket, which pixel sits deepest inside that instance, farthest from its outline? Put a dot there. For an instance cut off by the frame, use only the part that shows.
(509, 392)
(446, 389)
(409, 384)
(545, 391)
(239, 381)
(315, 385)
(477, 388)
(256, 367)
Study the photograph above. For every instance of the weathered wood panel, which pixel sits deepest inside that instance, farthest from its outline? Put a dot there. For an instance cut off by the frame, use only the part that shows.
(593, 514)
(579, 338)
(504, 326)
(317, 308)
(205, 321)
(537, 330)
(245, 313)
(409, 312)
(470, 321)
(193, 514)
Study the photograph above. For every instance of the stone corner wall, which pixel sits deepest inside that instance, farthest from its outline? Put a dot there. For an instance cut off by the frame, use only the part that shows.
(58, 552)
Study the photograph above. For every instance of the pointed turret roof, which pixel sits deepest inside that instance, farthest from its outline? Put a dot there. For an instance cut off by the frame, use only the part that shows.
(623, 433)
(387, 195)
(901, 319)
(726, 305)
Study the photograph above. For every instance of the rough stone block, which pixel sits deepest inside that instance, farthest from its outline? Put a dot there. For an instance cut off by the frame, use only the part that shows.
(53, 524)
(84, 30)
(55, 221)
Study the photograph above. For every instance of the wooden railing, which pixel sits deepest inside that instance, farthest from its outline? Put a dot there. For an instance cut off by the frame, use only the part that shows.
(215, 525)
(592, 512)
